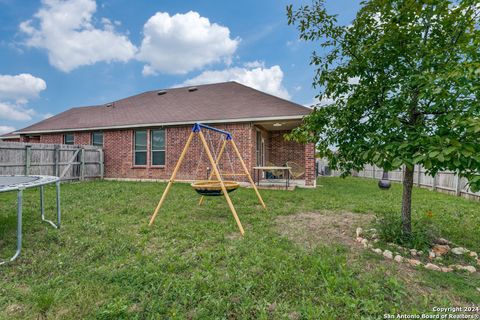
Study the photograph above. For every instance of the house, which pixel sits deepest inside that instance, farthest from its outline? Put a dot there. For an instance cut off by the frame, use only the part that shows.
(143, 135)
(10, 137)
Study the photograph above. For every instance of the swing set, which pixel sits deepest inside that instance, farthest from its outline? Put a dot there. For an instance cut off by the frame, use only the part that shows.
(212, 187)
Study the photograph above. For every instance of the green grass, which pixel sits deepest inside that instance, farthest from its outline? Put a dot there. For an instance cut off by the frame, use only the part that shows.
(106, 263)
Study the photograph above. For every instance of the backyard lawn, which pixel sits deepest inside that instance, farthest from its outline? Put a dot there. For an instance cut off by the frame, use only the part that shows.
(106, 263)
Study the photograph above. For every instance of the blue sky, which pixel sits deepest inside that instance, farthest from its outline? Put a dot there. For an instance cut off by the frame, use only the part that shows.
(57, 54)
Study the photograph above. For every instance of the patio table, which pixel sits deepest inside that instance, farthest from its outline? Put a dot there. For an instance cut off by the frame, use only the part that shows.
(260, 169)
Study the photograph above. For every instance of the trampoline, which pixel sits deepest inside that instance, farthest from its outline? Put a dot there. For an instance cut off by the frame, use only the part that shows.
(20, 183)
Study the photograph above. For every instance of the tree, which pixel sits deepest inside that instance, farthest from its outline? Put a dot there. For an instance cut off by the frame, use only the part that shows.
(405, 81)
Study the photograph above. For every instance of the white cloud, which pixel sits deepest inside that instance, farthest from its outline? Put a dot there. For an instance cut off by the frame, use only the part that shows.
(319, 103)
(65, 30)
(20, 87)
(354, 80)
(6, 129)
(15, 91)
(265, 79)
(183, 42)
(15, 112)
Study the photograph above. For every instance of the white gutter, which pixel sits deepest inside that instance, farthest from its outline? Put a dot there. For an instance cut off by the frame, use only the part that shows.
(297, 117)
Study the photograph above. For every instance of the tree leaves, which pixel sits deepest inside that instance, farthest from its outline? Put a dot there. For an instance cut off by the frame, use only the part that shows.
(417, 98)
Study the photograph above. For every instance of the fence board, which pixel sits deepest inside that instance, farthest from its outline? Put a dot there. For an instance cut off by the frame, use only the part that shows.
(17, 158)
(445, 181)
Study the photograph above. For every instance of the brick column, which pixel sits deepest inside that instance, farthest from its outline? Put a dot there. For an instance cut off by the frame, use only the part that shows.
(310, 178)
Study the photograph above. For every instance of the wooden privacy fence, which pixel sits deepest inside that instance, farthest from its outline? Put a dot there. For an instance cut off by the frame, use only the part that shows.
(444, 181)
(69, 162)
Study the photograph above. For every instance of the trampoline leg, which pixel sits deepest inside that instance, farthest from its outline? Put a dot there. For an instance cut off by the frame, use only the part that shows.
(19, 228)
(59, 214)
(42, 207)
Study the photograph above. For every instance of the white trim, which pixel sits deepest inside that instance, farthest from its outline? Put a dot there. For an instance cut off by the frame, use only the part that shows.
(297, 117)
(10, 137)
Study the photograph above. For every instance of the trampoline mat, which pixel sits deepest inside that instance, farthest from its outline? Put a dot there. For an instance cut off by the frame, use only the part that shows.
(15, 180)
(20, 182)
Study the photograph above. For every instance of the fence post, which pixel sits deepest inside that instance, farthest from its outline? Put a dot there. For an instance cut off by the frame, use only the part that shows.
(56, 159)
(434, 183)
(458, 185)
(28, 159)
(419, 175)
(82, 164)
(102, 164)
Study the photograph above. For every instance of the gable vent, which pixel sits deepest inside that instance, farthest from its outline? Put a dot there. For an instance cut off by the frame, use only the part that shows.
(191, 89)
(161, 92)
(110, 105)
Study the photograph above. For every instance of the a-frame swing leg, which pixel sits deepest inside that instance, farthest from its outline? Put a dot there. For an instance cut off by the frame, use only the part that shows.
(222, 185)
(172, 178)
(248, 174)
(219, 156)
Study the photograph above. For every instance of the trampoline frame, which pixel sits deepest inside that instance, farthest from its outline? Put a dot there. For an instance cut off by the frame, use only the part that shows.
(40, 182)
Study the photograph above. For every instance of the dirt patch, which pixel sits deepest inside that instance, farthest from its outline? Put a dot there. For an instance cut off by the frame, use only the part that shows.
(312, 229)
(322, 228)
(14, 309)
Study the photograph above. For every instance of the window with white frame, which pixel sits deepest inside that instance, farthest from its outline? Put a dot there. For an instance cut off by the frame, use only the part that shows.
(140, 148)
(97, 138)
(157, 146)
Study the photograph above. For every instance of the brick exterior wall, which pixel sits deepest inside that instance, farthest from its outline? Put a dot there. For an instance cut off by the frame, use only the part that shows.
(281, 151)
(52, 138)
(310, 171)
(119, 154)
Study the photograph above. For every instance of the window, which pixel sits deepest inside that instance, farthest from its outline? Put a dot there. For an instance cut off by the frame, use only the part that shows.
(97, 138)
(140, 145)
(68, 138)
(157, 145)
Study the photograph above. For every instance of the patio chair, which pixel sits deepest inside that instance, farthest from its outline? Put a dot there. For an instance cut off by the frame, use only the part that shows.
(296, 171)
(273, 174)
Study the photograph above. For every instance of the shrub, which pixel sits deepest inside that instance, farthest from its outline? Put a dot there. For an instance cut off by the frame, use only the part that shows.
(388, 226)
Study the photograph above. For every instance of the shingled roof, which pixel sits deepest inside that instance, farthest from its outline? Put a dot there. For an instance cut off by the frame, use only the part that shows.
(211, 103)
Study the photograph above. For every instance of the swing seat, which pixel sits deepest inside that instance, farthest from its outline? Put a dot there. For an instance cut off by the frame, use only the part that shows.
(213, 188)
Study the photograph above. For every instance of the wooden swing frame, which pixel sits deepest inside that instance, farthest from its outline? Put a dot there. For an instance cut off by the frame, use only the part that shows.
(197, 129)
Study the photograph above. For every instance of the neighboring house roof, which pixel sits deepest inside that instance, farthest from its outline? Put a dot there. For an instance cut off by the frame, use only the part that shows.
(211, 103)
(8, 136)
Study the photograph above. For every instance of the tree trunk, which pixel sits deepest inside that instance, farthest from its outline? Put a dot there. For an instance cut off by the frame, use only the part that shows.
(407, 200)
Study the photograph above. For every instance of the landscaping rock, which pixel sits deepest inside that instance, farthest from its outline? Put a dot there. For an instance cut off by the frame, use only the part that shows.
(377, 250)
(414, 262)
(359, 239)
(442, 241)
(478, 289)
(446, 269)
(420, 253)
(365, 242)
(431, 255)
(413, 252)
(473, 254)
(388, 254)
(398, 258)
(459, 250)
(440, 249)
(431, 266)
(359, 232)
(470, 269)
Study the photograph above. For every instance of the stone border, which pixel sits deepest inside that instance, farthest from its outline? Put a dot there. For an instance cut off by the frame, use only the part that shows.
(441, 247)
